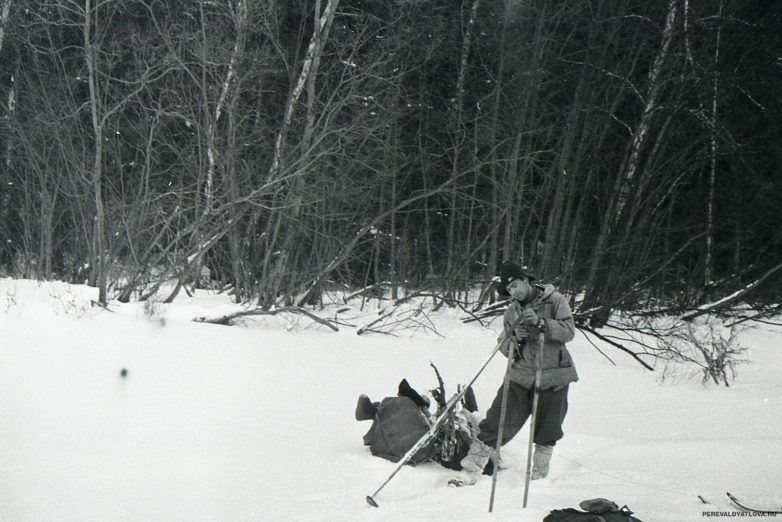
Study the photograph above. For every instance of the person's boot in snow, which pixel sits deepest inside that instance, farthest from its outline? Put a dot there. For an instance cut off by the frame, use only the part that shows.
(365, 408)
(541, 461)
(472, 464)
(489, 469)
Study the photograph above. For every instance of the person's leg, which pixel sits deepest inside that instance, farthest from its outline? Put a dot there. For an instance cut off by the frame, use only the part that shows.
(552, 408)
(516, 414)
(482, 448)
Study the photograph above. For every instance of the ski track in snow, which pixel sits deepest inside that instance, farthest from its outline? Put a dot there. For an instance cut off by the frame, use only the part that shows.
(255, 422)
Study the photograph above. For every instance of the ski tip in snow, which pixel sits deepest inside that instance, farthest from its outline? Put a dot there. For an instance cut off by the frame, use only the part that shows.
(754, 509)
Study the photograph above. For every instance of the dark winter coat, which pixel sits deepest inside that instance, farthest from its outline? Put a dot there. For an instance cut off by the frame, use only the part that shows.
(558, 369)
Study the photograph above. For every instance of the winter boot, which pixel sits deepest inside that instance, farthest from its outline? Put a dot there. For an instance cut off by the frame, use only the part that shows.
(472, 464)
(541, 460)
(489, 469)
(469, 401)
(405, 390)
(365, 408)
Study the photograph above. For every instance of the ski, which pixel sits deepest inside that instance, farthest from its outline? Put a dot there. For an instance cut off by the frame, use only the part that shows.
(738, 503)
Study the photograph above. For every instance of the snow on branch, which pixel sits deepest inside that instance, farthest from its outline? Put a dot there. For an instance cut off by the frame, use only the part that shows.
(229, 318)
(706, 308)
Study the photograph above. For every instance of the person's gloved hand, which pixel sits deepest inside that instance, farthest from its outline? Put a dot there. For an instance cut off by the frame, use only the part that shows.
(529, 317)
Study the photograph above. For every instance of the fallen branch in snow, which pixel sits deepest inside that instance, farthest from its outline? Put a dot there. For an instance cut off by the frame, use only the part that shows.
(704, 309)
(493, 310)
(616, 345)
(406, 317)
(375, 290)
(227, 319)
(764, 316)
(710, 346)
(380, 319)
(596, 347)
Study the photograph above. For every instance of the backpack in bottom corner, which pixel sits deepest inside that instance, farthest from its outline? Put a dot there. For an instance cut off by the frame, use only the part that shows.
(596, 510)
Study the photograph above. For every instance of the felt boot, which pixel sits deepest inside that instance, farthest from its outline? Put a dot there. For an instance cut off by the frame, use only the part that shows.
(365, 408)
(472, 464)
(489, 469)
(541, 460)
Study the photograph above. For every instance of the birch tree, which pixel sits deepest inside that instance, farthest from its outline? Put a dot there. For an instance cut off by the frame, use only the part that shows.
(630, 169)
(8, 117)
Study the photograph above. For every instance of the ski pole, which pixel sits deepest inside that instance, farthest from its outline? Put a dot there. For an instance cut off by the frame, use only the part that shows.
(503, 411)
(429, 435)
(534, 413)
(501, 428)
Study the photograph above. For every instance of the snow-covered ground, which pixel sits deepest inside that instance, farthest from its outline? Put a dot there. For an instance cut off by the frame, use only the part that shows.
(255, 422)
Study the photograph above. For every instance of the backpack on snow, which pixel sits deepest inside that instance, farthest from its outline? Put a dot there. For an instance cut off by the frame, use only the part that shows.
(398, 423)
(595, 510)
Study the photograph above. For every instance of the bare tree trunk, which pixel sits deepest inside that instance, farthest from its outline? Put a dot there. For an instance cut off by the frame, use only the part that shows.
(642, 130)
(90, 57)
(395, 274)
(309, 69)
(709, 261)
(288, 195)
(497, 212)
(459, 137)
(212, 120)
(6, 11)
(557, 216)
(619, 195)
(513, 185)
(5, 195)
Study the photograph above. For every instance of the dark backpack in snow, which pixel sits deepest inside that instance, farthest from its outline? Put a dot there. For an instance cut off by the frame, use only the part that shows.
(398, 424)
(597, 510)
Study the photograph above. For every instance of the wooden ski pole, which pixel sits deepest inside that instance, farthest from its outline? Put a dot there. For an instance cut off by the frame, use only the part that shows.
(429, 435)
(503, 412)
(534, 412)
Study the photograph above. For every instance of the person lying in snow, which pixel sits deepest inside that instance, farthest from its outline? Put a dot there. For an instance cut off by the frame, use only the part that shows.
(399, 422)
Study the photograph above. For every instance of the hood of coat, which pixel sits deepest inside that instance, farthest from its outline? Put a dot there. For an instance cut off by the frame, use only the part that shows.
(545, 291)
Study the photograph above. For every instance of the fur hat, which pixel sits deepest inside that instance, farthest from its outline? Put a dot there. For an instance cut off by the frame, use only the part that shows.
(508, 272)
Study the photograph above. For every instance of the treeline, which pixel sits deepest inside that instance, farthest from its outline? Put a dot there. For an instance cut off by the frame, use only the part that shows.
(628, 151)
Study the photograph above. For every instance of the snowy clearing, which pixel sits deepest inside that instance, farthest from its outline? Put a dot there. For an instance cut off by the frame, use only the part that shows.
(255, 422)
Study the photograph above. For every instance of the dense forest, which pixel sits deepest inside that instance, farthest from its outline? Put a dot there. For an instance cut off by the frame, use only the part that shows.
(628, 150)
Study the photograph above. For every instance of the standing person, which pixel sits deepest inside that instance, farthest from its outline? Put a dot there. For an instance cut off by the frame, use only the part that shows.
(534, 308)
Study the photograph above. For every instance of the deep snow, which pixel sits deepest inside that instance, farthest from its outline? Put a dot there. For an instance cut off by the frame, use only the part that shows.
(255, 422)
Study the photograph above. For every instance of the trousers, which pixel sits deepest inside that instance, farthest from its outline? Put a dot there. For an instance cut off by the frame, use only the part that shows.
(552, 408)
